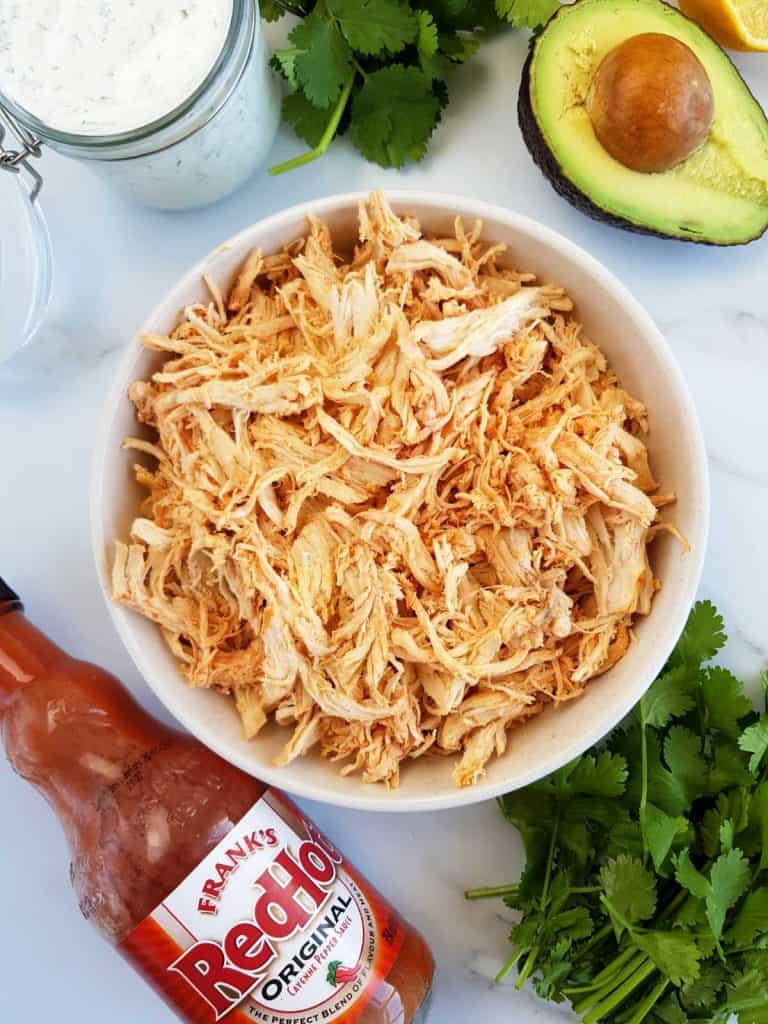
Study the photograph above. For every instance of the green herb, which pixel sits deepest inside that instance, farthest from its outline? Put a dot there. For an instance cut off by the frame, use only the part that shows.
(645, 890)
(378, 68)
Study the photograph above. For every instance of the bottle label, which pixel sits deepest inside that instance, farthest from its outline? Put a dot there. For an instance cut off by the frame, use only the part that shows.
(273, 926)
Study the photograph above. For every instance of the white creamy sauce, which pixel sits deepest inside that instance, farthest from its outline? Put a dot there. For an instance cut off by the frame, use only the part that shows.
(98, 67)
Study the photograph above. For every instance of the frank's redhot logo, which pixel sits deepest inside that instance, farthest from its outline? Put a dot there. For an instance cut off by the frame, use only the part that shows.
(272, 926)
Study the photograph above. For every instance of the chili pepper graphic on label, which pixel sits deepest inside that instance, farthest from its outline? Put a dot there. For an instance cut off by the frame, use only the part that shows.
(338, 974)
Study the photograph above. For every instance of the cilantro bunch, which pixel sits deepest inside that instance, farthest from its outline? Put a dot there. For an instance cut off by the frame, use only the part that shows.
(645, 890)
(378, 68)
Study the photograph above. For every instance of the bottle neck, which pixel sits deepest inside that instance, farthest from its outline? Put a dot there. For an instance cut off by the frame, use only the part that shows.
(68, 727)
(25, 652)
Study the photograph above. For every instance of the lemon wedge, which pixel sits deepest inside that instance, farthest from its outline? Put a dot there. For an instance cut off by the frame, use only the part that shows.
(735, 24)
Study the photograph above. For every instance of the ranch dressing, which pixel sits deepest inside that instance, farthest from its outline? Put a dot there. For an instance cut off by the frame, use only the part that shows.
(171, 100)
(100, 67)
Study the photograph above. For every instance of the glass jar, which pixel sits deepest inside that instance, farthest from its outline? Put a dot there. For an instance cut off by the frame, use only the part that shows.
(203, 149)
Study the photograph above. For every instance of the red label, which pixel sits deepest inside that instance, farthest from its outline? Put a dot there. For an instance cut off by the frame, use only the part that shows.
(272, 926)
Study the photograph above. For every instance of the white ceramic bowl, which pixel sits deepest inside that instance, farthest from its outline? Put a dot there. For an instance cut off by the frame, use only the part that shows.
(645, 365)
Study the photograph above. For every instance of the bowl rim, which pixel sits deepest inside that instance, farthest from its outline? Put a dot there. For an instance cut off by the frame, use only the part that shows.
(381, 799)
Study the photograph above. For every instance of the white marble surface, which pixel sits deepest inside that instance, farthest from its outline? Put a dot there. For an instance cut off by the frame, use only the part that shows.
(113, 262)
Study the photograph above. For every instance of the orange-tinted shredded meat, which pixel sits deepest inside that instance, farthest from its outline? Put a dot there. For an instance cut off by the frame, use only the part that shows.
(399, 501)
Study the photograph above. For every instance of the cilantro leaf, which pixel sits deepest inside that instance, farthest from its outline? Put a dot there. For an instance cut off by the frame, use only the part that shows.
(675, 954)
(690, 877)
(307, 121)
(372, 26)
(736, 804)
(691, 914)
(446, 10)
(427, 41)
(284, 61)
(574, 837)
(270, 10)
(461, 14)
(682, 752)
(630, 888)
(727, 835)
(577, 922)
(725, 700)
(702, 638)
(669, 1011)
(625, 837)
(669, 697)
(751, 919)
(709, 831)
(554, 970)
(728, 880)
(730, 766)
(661, 831)
(757, 959)
(754, 741)
(664, 789)
(703, 993)
(324, 61)
(526, 13)
(600, 810)
(758, 822)
(602, 774)
(394, 115)
(458, 47)
(534, 816)
(748, 997)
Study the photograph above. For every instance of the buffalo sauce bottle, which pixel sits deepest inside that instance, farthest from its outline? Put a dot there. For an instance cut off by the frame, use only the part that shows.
(217, 889)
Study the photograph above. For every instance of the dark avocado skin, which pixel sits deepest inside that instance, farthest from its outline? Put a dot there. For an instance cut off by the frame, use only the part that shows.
(550, 168)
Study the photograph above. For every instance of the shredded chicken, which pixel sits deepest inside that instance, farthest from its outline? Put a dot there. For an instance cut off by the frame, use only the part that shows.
(396, 500)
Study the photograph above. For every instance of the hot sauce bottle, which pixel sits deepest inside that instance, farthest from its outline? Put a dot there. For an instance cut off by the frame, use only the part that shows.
(217, 889)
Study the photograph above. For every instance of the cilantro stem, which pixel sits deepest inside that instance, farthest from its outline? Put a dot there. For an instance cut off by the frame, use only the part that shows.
(489, 891)
(527, 967)
(360, 70)
(644, 787)
(607, 972)
(509, 964)
(649, 1002)
(550, 861)
(607, 985)
(621, 993)
(673, 905)
(596, 939)
(327, 137)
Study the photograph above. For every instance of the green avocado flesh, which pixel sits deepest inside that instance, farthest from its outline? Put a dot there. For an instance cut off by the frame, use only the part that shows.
(719, 194)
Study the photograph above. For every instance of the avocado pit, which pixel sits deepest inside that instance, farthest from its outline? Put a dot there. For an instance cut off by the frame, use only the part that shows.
(651, 102)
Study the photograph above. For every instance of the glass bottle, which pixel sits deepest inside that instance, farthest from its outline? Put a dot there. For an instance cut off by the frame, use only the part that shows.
(217, 889)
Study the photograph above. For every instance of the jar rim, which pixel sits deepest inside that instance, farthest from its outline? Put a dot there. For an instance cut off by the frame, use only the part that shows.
(99, 143)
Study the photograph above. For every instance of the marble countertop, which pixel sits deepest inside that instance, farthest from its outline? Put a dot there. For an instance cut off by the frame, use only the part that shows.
(113, 262)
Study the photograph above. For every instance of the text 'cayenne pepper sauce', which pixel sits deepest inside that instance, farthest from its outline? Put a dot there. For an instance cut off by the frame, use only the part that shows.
(217, 889)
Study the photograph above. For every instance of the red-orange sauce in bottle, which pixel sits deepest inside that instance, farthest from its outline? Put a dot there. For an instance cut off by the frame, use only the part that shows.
(217, 889)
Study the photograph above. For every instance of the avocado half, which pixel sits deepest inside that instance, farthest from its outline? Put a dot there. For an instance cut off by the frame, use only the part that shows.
(718, 195)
